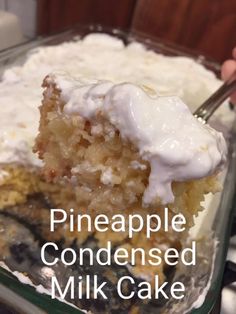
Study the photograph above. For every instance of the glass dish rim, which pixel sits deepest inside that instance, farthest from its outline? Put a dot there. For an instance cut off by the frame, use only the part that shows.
(149, 41)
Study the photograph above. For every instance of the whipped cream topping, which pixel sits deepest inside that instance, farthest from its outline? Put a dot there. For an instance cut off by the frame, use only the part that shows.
(97, 56)
(18, 123)
(167, 135)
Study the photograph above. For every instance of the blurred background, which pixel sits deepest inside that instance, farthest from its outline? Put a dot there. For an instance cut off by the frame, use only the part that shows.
(206, 26)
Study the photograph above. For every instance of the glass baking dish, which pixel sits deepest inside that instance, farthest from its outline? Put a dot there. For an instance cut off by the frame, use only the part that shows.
(25, 299)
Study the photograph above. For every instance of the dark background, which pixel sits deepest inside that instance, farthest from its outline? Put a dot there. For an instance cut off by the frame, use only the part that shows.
(206, 26)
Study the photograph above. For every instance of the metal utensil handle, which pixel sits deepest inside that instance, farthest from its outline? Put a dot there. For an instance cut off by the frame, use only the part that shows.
(205, 111)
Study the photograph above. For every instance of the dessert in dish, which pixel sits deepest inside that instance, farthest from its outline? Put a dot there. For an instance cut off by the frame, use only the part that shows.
(93, 162)
(92, 57)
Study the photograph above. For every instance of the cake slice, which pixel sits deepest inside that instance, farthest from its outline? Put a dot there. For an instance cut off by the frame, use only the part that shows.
(125, 150)
(123, 146)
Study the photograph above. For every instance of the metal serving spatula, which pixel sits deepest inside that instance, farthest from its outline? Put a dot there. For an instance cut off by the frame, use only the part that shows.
(205, 111)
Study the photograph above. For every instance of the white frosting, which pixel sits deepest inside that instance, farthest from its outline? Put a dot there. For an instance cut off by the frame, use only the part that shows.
(97, 57)
(18, 122)
(177, 146)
